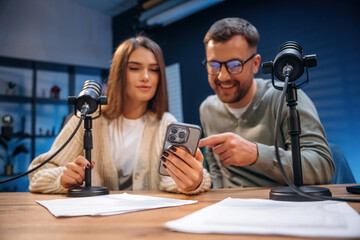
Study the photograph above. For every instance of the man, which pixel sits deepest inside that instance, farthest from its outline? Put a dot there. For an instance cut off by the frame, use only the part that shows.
(238, 122)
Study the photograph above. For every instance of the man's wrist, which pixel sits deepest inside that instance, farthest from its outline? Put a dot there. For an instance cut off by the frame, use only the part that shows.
(256, 154)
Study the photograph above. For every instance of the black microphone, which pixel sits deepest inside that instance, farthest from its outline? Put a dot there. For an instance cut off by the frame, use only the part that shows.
(87, 102)
(89, 98)
(289, 62)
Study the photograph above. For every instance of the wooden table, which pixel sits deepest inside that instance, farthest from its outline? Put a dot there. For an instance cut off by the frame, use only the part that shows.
(22, 218)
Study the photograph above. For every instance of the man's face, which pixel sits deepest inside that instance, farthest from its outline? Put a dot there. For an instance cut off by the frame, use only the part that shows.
(233, 89)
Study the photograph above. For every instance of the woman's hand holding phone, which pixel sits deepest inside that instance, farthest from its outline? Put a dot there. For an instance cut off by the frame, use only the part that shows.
(185, 170)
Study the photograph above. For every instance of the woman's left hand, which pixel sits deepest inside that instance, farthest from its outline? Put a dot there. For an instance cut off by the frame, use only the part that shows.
(185, 170)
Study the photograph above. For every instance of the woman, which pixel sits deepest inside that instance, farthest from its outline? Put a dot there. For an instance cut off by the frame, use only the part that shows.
(128, 137)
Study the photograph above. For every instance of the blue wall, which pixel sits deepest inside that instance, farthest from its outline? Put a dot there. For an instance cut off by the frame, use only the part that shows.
(329, 29)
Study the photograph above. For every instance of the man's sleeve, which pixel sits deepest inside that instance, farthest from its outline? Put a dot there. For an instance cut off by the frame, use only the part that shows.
(215, 173)
(317, 163)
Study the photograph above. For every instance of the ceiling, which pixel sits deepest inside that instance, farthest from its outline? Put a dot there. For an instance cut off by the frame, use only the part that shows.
(155, 12)
(108, 7)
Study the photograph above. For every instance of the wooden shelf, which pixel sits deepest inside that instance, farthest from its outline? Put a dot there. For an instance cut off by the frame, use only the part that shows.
(15, 99)
(51, 101)
(45, 136)
(22, 99)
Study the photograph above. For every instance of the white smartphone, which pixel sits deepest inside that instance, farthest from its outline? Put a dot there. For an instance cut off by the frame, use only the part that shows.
(180, 134)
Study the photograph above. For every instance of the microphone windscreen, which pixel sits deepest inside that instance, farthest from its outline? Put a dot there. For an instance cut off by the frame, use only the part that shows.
(289, 53)
(89, 94)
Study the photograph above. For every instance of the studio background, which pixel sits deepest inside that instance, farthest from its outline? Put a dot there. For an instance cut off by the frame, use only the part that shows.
(329, 29)
(69, 33)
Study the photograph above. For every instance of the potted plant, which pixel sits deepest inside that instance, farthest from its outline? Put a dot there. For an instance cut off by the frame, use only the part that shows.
(11, 88)
(12, 146)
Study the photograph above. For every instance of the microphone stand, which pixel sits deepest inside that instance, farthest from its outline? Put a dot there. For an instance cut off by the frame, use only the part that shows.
(293, 120)
(294, 130)
(87, 102)
(88, 190)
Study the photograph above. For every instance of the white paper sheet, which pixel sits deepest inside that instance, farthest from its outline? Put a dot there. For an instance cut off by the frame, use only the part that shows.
(258, 216)
(108, 204)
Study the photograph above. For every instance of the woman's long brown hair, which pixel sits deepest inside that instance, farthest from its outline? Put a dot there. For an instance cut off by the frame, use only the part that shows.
(117, 79)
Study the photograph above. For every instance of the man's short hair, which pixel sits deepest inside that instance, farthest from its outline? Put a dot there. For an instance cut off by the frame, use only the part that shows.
(224, 29)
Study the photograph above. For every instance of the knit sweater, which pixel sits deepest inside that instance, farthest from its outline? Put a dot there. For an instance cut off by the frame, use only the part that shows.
(104, 173)
(257, 125)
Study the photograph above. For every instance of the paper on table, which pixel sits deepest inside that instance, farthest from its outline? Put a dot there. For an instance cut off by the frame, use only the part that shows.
(108, 204)
(259, 216)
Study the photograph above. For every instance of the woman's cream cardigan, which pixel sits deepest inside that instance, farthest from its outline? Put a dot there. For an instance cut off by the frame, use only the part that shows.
(104, 173)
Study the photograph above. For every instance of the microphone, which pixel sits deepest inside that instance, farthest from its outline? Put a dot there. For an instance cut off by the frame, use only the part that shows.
(288, 66)
(89, 98)
(87, 102)
(289, 62)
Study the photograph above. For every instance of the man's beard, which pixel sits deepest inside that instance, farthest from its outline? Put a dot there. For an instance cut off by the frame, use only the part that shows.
(232, 97)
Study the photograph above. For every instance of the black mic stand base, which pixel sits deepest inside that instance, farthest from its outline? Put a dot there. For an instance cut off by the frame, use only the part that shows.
(288, 194)
(87, 191)
(353, 189)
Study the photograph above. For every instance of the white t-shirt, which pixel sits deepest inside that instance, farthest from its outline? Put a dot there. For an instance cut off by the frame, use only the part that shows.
(125, 138)
(238, 112)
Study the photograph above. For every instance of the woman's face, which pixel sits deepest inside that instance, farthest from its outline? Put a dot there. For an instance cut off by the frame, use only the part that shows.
(142, 76)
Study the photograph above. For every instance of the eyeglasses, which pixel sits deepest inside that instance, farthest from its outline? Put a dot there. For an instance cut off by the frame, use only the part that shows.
(233, 66)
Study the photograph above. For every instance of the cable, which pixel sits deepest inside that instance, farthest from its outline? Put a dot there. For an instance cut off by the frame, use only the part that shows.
(51, 157)
(287, 180)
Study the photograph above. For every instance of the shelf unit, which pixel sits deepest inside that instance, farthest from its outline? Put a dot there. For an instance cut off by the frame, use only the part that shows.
(34, 100)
